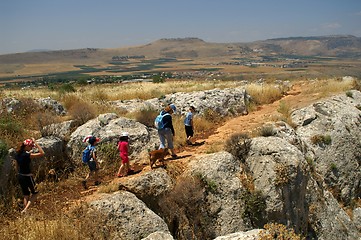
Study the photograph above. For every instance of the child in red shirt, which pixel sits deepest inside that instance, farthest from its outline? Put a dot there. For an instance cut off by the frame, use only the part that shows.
(123, 147)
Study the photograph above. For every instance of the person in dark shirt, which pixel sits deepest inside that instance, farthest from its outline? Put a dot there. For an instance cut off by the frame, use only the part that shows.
(167, 133)
(23, 157)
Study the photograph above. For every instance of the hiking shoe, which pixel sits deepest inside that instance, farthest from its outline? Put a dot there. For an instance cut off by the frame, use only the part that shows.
(174, 156)
(84, 184)
(97, 183)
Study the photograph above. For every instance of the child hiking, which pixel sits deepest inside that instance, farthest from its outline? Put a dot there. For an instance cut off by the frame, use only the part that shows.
(23, 157)
(123, 147)
(92, 161)
(188, 124)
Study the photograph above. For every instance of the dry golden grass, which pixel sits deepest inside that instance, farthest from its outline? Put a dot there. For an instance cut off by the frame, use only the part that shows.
(264, 93)
(325, 88)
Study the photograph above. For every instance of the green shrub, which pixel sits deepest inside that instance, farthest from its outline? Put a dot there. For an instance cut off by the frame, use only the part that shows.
(66, 88)
(185, 210)
(3, 152)
(238, 145)
(349, 94)
(254, 208)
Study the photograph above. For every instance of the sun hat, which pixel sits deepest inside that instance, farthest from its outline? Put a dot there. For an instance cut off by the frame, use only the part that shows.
(124, 134)
(29, 142)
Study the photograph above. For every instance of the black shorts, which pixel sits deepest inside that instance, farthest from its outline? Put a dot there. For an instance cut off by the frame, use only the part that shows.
(189, 131)
(27, 185)
(92, 166)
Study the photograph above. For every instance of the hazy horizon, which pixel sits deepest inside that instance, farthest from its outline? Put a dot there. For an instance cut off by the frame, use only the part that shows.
(40, 24)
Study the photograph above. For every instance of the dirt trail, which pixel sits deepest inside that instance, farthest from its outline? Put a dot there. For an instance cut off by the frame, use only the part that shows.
(296, 98)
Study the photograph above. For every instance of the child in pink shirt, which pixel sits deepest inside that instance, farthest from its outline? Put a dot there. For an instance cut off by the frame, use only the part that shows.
(123, 147)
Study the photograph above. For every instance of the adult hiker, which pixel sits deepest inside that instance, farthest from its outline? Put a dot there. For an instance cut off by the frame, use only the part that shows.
(24, 155)
(166, 130)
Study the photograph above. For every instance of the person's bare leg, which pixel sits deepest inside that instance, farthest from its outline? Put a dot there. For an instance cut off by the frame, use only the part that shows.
(29, 201)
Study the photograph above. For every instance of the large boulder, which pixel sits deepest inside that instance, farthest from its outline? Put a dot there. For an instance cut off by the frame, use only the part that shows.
(327, 220)
(331, 129)
(278, 171)
(108, 128)
(149, 185)
(127, 217)
(52, 105)
(219, 172)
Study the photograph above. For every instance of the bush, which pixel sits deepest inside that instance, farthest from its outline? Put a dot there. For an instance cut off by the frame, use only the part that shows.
(254, 208)
(146, 116)
(185, 211)
(278, 231)
(82, 112)
(238, 145)
(267, 131)
(211, 115)
(321, 140)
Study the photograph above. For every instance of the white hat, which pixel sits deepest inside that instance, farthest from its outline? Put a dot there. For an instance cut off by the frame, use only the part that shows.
(124, 134)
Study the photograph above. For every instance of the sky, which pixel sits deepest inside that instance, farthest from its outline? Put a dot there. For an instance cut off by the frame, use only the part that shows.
(27, 25)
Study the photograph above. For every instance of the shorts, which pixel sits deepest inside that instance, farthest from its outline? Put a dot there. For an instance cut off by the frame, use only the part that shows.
(189, 131)
(125, 159)
(92, 166)
(27, 185)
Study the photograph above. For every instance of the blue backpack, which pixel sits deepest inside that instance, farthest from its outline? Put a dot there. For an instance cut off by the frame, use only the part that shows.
(87, 153)
(158, 122)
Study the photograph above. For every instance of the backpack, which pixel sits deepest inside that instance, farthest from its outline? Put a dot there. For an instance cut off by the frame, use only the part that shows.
(158, 122)
(87, 153)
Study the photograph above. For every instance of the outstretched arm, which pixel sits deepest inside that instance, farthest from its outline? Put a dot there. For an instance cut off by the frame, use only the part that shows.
(40, 152)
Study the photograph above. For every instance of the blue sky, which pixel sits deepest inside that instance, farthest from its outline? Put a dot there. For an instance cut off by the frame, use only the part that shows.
(69, 24)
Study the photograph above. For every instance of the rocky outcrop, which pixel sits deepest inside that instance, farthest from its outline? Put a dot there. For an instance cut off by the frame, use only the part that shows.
(331, 129)
(149, 185)
(219, 173)
(52, 105)
(278, 170)
(225, 102)
(127, 217)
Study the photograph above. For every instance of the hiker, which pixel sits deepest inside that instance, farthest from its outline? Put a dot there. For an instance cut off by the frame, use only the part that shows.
(166, 132)
(92, 163)
(23, 157)
(188, 125)
(123, 147)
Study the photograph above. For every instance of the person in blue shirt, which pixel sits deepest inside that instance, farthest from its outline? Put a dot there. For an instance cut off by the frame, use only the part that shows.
(167, 133)
(188, 124)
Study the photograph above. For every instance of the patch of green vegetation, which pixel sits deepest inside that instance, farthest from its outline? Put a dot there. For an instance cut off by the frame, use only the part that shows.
(3, 152)
(254, 208)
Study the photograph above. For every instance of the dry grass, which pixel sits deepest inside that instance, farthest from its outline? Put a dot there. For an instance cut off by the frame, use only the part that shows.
(265, 93)
(325, 88)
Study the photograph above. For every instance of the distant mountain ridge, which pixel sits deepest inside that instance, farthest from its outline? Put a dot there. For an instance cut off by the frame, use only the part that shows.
(345, 46)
